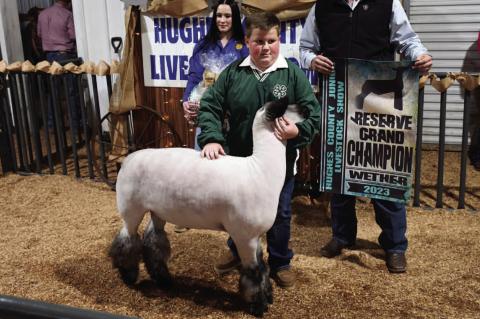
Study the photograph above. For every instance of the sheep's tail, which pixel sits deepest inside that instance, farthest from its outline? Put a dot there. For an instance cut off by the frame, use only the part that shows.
(129, 208)
(129, 158)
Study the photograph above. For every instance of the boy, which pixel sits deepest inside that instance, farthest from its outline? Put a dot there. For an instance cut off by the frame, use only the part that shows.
(241, 89)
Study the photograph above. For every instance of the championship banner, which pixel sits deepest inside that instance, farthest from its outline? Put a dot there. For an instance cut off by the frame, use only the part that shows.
(368, 129)
(168, 42)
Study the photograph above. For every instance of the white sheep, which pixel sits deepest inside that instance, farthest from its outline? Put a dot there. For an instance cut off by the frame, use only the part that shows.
(238, 195)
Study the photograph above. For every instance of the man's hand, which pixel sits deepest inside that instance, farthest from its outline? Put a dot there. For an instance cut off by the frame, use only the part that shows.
(322, 64)
(284, 129)
(423, 63)
(212, 151)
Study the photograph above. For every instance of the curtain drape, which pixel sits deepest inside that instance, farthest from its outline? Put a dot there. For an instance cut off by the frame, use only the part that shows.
(25, 5)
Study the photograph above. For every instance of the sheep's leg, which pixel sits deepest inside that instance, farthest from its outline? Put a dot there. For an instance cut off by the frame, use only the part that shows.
(126, 249)
(255, 286)
(267, 285)
(156, 252)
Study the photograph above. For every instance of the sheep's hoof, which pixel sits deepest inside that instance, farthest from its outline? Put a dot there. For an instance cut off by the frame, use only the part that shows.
(157, 267)
(256, 288)
(258, 308)
(129, 276)
(259, 304)
(161, 277)
(125, 253)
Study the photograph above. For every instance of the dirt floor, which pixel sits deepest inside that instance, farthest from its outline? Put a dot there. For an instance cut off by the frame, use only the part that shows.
(57, 230)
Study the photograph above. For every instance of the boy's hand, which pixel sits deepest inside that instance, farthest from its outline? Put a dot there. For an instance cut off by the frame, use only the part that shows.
(284, 129)
(322, 64)
(212, 151)
(423, 63)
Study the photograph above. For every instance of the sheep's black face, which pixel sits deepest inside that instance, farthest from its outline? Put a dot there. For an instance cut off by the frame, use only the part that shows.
(275, 108)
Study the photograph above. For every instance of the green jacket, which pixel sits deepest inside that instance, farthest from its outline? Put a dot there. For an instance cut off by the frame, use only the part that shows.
(241, 93)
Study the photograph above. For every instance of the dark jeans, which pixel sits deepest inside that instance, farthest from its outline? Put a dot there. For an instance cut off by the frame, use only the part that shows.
(390, 216)
(73, 95)
(279, 254)
(474, 149)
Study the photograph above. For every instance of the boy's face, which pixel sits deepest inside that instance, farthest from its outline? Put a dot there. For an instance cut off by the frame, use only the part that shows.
(264, 47)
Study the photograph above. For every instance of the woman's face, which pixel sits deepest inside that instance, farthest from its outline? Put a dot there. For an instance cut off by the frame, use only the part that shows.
(224, 18)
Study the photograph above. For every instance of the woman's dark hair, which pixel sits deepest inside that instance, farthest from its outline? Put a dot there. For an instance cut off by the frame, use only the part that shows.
(213, 34)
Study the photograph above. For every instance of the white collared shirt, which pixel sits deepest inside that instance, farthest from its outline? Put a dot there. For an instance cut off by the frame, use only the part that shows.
(280, 63)
(352, 3)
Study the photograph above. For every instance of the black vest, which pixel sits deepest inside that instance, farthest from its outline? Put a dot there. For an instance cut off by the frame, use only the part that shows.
(363, 33)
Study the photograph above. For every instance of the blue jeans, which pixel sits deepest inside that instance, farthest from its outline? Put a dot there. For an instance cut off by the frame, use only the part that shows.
(73, 96)
(390, 216)
(197, 147)
(474, 149)
(279, 254)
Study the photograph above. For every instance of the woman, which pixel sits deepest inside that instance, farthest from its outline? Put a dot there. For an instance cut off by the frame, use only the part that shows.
(223, 44)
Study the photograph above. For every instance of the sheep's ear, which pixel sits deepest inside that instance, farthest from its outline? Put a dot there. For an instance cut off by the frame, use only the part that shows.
(276, 108)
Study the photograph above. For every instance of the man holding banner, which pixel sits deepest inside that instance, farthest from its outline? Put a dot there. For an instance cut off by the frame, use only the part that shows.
(370, 30)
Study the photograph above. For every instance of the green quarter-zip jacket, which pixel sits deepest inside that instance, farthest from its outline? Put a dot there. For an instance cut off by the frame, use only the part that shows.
(240, 91)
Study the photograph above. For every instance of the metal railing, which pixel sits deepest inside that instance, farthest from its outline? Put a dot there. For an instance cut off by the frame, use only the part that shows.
(441, 148)
(19, 308)
(28, 145)
(38, 117)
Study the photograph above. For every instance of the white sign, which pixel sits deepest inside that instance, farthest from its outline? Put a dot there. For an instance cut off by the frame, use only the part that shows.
(167, 45)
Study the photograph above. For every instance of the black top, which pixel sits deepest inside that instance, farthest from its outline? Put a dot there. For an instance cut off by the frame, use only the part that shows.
(363, 33)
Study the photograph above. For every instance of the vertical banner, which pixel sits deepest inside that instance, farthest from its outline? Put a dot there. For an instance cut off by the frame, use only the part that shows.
(368, 129)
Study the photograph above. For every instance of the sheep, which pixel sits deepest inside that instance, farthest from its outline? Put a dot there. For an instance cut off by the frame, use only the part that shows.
(238, 195)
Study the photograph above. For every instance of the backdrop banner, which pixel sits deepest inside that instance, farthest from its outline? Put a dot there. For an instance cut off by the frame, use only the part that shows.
(368, 129)
(168, 42)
